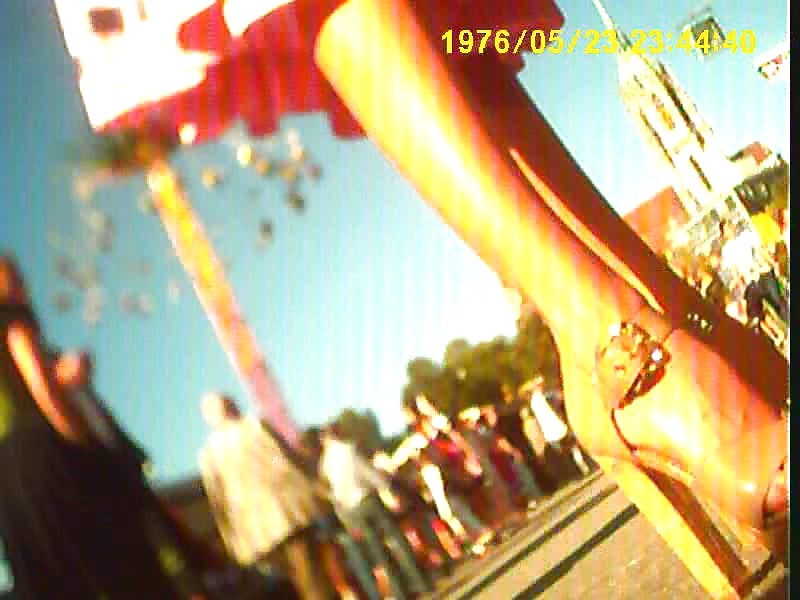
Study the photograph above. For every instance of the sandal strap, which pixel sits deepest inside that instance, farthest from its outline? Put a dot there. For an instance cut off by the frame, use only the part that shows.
(634, 357)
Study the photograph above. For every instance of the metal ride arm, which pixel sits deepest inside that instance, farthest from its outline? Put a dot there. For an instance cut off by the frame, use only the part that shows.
(215, 294)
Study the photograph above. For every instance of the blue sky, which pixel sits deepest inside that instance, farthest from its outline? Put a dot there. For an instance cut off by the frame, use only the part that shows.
(369, 277)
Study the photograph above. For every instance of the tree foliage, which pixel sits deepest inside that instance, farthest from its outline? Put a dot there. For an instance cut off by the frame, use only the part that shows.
(126, 152)
(362, 428)
(471, 375)
(467, 375)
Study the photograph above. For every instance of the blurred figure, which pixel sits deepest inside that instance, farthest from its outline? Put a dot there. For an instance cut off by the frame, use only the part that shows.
(356, 486)
(713, 287)
(509, 461)
(65, 504)
(343, 559)
(511, 425)
(432, 476)
(480, 439)
(782, 219)
(413, 513)
(74, 372)
(456, 465)
(264, 505)
(543, 470)
(735, 306)
(556, 433)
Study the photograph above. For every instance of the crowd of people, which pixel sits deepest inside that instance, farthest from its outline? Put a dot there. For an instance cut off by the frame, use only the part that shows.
(744, 276)
(385, 525)
(79, 518)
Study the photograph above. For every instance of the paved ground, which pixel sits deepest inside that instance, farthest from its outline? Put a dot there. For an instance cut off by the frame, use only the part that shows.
(588, 541)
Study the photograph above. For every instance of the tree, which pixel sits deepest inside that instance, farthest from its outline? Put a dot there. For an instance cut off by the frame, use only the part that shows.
(535, 352)
(455, 353)
(438, 384)
(476, 375)
(361, 428)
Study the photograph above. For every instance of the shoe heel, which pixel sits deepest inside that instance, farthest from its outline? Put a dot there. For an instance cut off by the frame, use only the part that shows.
(684, 525)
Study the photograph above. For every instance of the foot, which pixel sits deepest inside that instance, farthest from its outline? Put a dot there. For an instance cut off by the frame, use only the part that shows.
(713, 421)
(708, 422)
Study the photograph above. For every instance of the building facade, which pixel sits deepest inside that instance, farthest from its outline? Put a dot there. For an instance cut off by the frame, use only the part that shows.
(707, 184)
(664, 224)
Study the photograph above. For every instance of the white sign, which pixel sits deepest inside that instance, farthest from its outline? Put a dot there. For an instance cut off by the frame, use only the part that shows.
(128, 54)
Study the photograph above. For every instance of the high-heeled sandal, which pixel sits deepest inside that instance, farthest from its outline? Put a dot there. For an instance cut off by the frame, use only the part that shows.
(453, 159)
(737, 469)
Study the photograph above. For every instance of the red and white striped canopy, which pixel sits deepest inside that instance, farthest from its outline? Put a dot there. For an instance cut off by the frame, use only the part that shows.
(199, 65)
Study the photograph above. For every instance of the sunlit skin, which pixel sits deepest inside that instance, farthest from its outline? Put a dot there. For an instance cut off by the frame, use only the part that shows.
(218, 409)
(716, 411)
(73, 369)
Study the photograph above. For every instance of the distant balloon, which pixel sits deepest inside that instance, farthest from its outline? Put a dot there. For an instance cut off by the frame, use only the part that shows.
(265, 233)
(290, 174)
(86, 278)
(91, 317)
(53, 239)
(263, 167)
(293, 137)
(244, 154)
(295, 201)
(103, 242)
(146, 304)
(93, 306)
(146, 205)
(128, 304)
(95, 296)
(63, 302)
(706, 32)
(63, 266)
(313, 171)
(83, 187)
(140, 267)
(211, 178)
(297, 153)
(137, 304)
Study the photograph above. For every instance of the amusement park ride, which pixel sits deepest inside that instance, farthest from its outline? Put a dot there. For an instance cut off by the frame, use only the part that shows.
(674, 411)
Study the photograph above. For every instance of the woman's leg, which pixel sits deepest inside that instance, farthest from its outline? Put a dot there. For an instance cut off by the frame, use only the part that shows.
(432, 125)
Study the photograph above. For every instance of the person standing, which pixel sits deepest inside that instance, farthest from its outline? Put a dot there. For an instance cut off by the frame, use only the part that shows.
(743, 259)
(74, 372)
(481, 440)
(356, 486)
(413, 513)
(65, 502)
(509, 460)
(555, 430)
(264, 505)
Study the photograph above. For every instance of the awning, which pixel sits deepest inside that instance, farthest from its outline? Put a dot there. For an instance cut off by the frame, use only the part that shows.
(269, 71)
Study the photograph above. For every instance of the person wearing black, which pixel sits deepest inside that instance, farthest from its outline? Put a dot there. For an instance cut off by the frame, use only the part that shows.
(74, 372)
(65, 510)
